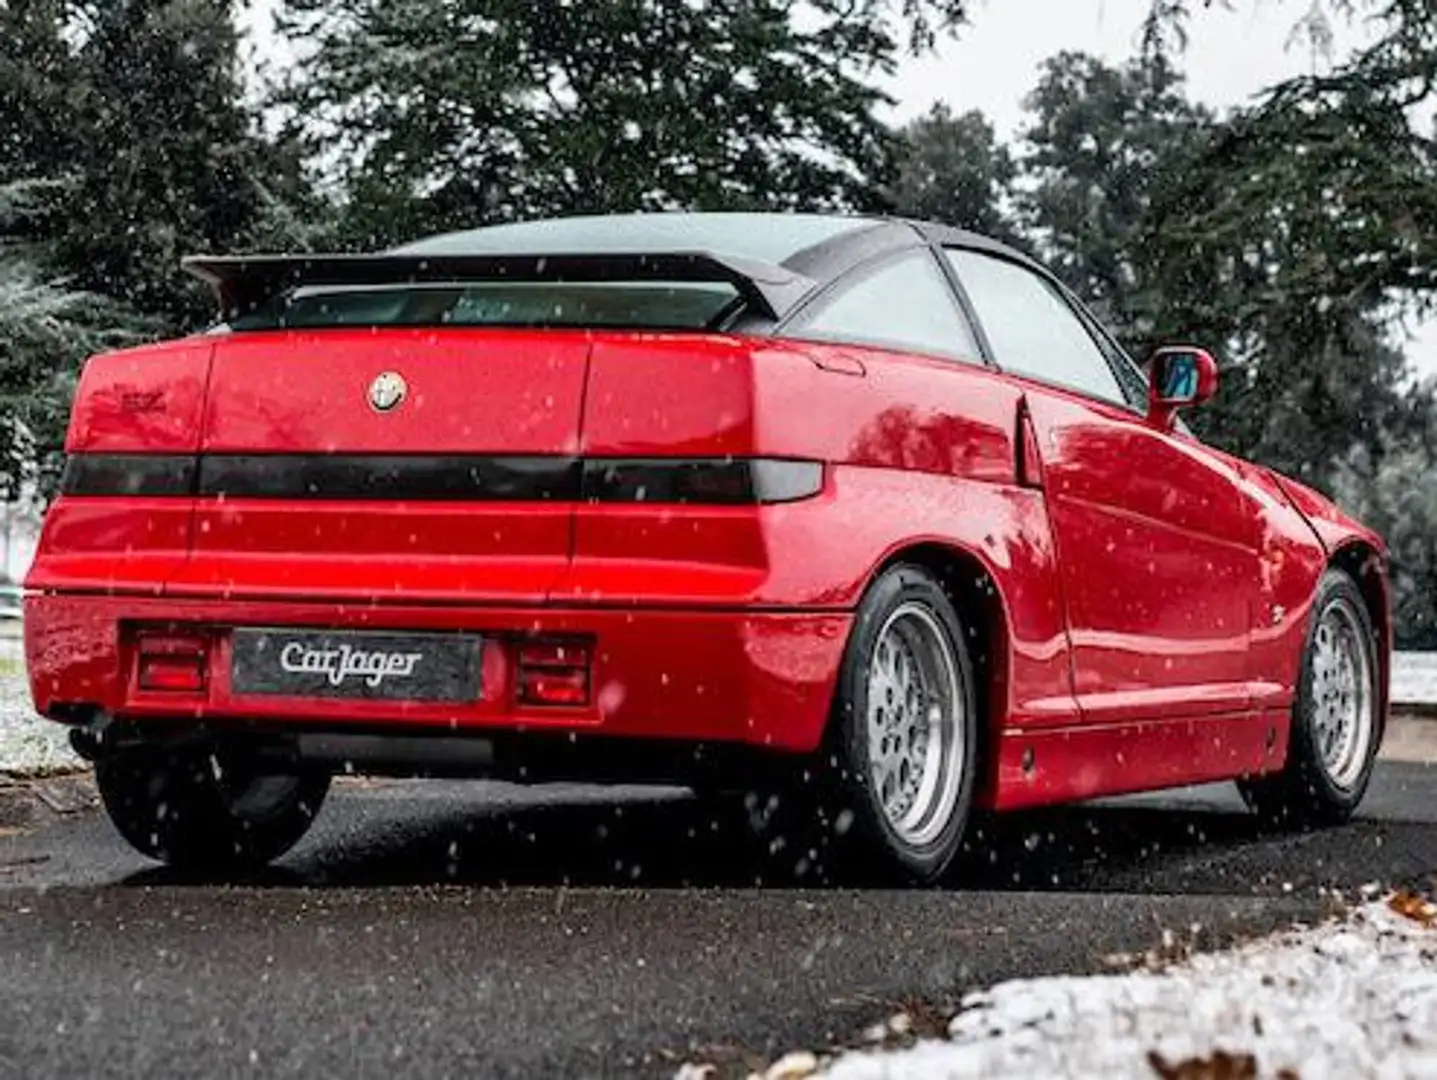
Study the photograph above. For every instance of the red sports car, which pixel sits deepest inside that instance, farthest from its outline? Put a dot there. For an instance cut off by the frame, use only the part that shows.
(868, 513)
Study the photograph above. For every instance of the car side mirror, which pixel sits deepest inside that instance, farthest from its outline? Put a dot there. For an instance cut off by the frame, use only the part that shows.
(1179, 377)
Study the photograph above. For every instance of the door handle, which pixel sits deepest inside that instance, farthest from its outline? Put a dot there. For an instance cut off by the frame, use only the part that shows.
(1029, 466)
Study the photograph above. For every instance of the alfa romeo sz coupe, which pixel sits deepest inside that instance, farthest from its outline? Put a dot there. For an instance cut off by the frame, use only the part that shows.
(868, 513)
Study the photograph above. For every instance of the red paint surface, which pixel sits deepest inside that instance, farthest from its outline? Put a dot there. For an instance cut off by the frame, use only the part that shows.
(470, 391)
(1158, 543)
(1067, 764)
(762, 678)
(145, 399)
(135, 401)
(1152, 592)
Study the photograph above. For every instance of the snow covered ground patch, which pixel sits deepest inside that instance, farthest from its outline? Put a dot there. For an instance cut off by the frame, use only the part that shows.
(29, 746)
(1414, 678)
(1353, 999)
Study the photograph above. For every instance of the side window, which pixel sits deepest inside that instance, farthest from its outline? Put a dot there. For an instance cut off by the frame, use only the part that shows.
(1135, 387)
(1032, 329)
(905, 304)
(1130, 377)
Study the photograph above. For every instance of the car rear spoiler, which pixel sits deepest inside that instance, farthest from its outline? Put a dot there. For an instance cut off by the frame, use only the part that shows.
(244, 282)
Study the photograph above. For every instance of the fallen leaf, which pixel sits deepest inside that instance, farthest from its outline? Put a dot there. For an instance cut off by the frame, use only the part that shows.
(1221, 1066)
(1414, 906)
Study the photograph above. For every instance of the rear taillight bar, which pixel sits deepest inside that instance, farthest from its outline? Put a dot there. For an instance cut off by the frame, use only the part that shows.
(129, 474)
(732, 481)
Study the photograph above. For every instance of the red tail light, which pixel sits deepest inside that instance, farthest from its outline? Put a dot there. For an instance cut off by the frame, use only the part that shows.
(172, 663)
(553, 673)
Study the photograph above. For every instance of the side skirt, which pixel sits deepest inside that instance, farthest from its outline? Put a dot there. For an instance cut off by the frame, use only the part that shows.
(1041, 767)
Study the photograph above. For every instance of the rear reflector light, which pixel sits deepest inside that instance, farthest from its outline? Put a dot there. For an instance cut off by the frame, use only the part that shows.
(172, 663)
(553, 673)
(554, 687)
(700, 481)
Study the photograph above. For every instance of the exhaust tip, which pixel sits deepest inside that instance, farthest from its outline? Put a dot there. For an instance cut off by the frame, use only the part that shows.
(85, 743)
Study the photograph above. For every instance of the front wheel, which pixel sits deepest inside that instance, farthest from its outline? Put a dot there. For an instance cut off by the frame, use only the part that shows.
(1336, 719)
(207, 810)
(903, 745)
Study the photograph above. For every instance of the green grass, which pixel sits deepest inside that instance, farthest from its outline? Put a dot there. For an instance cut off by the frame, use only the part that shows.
(11, 667)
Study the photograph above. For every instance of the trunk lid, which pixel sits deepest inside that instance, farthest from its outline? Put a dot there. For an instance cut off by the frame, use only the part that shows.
(352, 463)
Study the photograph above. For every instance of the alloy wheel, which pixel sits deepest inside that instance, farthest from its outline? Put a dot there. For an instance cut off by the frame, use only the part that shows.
(1342, 693)
(916, 723)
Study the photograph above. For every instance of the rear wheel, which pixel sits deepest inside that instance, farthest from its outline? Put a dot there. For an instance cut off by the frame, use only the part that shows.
(1336, 722)
(207, 809)
(903, 740)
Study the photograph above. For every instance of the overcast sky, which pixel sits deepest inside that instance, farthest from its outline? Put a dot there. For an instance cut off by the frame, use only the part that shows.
(1232, 56)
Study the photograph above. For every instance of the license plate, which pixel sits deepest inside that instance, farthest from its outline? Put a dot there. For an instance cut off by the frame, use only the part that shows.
(356, 664)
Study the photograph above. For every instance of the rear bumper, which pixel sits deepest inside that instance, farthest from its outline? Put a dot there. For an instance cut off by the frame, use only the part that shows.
(759, 678)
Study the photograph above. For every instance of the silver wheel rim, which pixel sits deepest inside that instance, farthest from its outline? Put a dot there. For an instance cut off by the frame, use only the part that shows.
(916, 718)
(1342, 699)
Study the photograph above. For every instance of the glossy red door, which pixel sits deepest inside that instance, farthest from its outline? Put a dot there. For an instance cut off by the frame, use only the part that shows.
(1158, 541)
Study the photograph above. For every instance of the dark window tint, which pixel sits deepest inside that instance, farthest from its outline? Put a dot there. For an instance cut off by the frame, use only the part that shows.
(1032, 329)
(906, 304)
(771, 238)
(646, 305)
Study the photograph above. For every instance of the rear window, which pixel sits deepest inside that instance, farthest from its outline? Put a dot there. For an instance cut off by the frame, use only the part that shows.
(617, 304)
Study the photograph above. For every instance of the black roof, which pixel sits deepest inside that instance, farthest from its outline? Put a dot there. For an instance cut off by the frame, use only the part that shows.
(818, 245)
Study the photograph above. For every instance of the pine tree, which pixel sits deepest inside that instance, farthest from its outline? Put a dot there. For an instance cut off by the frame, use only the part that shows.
(1100, 144)
(954, 170)
(168, 161)
(129, 142)
(436, 115)
(46, 329)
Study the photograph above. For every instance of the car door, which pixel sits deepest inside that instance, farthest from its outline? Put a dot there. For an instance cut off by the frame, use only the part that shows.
(936, 407)
(1157, 536)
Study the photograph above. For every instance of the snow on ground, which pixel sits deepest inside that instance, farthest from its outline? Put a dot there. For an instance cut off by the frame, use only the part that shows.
(1353, 999)
(29, 746)
(1414, 678)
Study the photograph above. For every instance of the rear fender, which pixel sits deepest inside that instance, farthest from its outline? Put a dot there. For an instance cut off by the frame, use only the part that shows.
(147, 401)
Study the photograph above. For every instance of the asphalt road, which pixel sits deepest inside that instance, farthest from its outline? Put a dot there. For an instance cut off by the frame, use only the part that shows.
(436, 929)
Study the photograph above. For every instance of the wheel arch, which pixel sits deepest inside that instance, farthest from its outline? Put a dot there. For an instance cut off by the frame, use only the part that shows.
(973, 589)
(1362, 562)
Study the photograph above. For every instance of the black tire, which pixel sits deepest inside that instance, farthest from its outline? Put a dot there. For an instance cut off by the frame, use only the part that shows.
(204, 810)
(856, 831)
(1305, 793)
